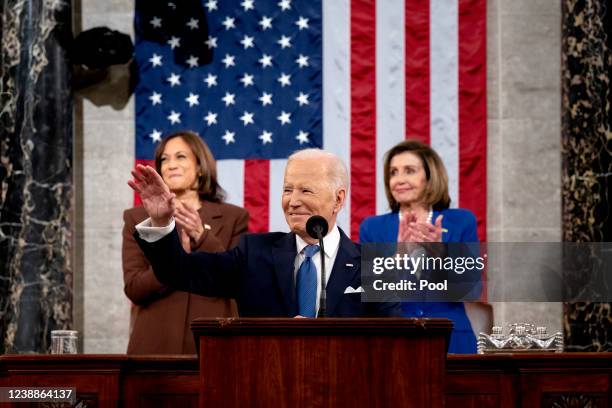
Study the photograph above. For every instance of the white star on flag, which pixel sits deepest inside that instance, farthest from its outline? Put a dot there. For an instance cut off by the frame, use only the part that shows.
(266, 99)
(174, 42)
(211, 5)
(247, 5)
(284, 4)
(156, 60)
(192, 61)
(193, 99)
(284, 118)
(155, 135)
(247, 80)
(266, 137)
(302, 99)
(174, 117)
(302, 23)
(229, 99)
(265, 61)
(211, 80)
(284, 42)
(211, 42)
(302, 61)
(156, 22)
(265, 23)
(174, 79)
(211, 118)
(228, 61)
(302, 137)
(228, 137)
(247, 42)
(229, 22)
(193, 24)
(247, 118)
(284, 79)
(156, 98)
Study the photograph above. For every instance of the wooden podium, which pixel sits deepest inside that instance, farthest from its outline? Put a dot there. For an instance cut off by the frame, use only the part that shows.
(329, 362)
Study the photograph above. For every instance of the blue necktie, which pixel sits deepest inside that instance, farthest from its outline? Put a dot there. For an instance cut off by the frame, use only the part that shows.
(307, 283)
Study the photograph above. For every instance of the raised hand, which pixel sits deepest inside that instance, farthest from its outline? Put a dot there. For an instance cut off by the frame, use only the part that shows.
(189, 220)
(156, 197)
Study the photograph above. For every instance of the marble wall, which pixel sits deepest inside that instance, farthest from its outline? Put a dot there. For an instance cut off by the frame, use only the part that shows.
(35, 175)
(524, 131)
(587, 153)
(524, 197)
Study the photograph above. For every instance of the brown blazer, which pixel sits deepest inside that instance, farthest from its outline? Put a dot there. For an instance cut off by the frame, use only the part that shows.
(161, 316)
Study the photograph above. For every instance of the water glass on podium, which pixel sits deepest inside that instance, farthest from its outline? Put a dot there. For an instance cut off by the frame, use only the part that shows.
(64, 341)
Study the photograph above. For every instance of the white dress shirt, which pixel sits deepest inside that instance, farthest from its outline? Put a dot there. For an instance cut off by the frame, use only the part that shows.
(149, 233)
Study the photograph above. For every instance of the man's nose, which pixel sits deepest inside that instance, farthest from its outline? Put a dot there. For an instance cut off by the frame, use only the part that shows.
(295, 200)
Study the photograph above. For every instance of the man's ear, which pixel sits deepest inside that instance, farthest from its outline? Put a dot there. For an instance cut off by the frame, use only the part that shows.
(340, 197)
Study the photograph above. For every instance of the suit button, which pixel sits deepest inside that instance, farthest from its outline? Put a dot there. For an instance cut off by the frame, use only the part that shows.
(420, 313)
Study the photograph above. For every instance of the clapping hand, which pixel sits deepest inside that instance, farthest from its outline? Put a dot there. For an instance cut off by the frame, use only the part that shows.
(156, 197)
(185, 240)
(411, 230)
(189, 220)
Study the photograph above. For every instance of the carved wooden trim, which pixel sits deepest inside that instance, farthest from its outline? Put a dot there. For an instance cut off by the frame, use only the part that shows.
(573, 400)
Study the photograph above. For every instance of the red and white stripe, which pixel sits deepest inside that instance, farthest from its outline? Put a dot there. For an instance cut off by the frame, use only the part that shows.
(392, 69)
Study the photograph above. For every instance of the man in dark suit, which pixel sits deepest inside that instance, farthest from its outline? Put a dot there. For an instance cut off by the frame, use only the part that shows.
(269, 274)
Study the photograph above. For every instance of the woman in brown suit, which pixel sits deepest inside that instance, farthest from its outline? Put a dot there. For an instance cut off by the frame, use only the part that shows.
(161, 316)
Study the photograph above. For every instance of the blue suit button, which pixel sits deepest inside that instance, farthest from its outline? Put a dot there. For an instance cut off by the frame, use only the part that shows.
(420, 313)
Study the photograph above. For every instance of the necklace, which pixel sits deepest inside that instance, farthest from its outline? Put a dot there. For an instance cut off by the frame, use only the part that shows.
(427, 220)
(429, 216)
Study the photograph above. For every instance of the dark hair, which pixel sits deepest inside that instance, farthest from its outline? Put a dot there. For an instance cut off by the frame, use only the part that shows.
(208, 187)
(436, 189)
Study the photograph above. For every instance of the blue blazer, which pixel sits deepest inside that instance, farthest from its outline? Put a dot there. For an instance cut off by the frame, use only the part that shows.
(461, 227)
(259, 274)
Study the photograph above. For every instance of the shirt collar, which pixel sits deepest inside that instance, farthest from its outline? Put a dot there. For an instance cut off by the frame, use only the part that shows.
(331, 242)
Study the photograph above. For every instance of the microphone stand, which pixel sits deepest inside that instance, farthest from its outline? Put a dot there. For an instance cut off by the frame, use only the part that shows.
(323, 297)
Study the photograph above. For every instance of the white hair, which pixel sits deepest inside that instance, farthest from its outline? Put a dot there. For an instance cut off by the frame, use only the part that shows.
(338, 175)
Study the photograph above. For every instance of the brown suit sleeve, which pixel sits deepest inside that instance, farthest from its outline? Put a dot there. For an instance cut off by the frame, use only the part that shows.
(140, 284)
(208, 242)
(236, 222)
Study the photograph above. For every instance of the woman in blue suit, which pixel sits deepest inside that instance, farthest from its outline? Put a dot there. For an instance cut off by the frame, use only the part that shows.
(416, 186)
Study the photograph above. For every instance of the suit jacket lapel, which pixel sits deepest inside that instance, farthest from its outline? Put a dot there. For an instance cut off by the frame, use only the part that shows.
(342, 274)
(211, 215)
(284, 253)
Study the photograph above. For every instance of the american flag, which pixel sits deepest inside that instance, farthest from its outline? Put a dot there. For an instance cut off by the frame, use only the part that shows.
(259, 79)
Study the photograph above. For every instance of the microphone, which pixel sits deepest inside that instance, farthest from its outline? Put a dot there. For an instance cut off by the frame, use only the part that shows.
(317, 227)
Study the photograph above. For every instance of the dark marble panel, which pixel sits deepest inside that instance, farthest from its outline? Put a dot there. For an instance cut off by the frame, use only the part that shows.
(36, 173)
(587, 153)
